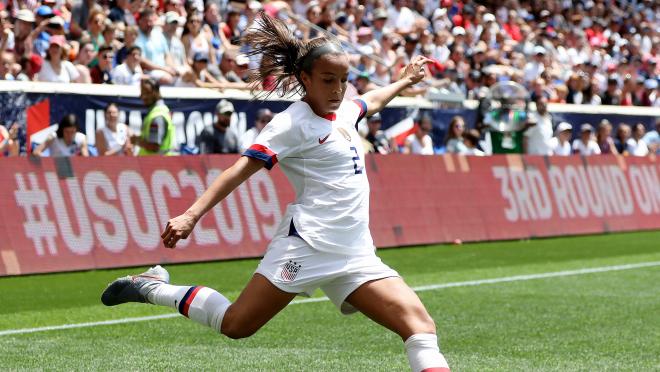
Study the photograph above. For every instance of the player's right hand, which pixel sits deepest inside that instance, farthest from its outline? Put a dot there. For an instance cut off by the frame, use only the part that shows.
(177, 228)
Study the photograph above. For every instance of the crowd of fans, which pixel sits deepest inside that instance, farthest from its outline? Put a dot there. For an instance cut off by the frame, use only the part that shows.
(582, 52)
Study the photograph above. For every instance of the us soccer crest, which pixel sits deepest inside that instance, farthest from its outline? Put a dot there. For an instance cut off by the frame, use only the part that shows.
(289, 271)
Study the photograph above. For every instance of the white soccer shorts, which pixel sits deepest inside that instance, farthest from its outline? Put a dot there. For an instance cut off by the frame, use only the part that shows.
(295, 267)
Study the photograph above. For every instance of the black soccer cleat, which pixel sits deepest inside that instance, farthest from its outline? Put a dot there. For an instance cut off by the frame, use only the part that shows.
(134, 288)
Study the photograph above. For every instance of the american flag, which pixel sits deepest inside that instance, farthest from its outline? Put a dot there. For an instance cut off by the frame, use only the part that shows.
(289, 271)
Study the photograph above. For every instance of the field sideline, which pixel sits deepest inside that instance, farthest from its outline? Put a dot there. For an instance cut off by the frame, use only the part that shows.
(579, 303)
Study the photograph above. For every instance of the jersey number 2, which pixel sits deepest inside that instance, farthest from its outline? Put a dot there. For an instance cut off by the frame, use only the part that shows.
(356, 158)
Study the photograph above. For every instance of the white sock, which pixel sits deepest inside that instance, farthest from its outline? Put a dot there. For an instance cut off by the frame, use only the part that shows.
(424, 354)
(201, 304)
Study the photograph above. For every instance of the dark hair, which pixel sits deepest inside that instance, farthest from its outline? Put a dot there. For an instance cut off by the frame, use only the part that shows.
(472, 136)
(134, 48)
(105, 48)
(68, 121)
(110, 105)
(284, 56)
(153, 83)
(146, 12)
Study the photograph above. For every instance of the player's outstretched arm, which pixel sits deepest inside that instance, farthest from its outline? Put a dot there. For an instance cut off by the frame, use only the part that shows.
(377, 99)
(181, 226)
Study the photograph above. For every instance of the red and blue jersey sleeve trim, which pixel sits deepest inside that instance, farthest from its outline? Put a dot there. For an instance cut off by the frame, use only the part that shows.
(262, 153)
(363, 109)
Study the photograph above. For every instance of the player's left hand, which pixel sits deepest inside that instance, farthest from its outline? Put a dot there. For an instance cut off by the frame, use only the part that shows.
(416, 69)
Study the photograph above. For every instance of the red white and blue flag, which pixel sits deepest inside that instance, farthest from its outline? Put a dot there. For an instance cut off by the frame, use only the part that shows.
(289, 271)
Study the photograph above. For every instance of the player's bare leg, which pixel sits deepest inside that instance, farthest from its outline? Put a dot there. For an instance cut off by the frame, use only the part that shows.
(391, 303)
(259, 302)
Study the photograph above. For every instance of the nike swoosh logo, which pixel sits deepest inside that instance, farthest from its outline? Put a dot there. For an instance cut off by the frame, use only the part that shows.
(322, 141)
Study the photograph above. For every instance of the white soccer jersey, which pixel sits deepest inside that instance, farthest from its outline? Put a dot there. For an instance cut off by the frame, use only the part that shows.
(323, 159)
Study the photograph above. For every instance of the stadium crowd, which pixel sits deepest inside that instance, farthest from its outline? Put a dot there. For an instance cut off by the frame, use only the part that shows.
(583, 52)
(593, 52)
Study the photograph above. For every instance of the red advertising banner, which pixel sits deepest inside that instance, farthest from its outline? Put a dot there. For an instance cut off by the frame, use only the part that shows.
(84, 213)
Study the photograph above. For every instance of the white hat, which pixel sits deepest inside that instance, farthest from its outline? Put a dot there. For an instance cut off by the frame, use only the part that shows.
(489, 17)
(171, 17)
(242, 60)
(458, 30)
(255, 5)
(57, 20)
(563, 126)
(439, 13)
(224, 106)
(650, 84)
(539, 50)
(586, 127)
(25, 15)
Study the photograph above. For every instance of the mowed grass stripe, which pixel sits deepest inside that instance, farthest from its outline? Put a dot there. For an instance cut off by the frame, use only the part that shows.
(431, 287)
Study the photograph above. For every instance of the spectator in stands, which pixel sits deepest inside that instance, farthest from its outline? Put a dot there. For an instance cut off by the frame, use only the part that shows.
(636, 146)
(220, 138)
(454, 140)
(56, 69)
(23, 32)
(586, 145)
(575, 87)
(114, 137)
(628, 96)
(80, 15)
(129, 72)
(174, 44)
(604, 138)
(650, 96)
(420, 142)
(400, 18)
(612, 95)
(535, 67)
(195, 41)
(155, 57)
(198, 75)
(264, 116)
(6, 62)
(130, 37)
(66, 141)
(229, 32)
(40, 35)
(86, 56)
(561, 142)
(7, 38)
(376, 137)
(102, 72)
(110, 34)
(471, 140)
(536, 140)
(95, 27)
(229, 78)
(9, 145)
(621, 139)
(652, 138)
(121, 12)
(157, 136)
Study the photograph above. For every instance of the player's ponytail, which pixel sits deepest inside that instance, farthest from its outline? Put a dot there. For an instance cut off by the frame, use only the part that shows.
(284, 57)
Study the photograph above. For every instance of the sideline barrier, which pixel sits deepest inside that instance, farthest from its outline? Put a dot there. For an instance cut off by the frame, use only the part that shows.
(37, 105)
(74, 214)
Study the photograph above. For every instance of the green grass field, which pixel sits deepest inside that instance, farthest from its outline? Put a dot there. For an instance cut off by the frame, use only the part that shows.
(606, 319)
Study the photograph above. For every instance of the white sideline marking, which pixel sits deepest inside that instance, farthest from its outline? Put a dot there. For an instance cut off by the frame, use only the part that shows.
(423, 288)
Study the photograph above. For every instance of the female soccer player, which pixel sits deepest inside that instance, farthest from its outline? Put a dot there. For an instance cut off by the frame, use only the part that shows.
(324, 239)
